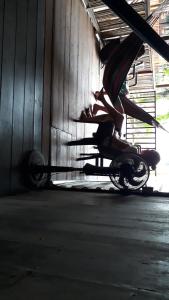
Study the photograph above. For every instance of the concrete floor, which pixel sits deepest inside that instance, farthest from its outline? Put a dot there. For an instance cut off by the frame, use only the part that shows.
(80, 245)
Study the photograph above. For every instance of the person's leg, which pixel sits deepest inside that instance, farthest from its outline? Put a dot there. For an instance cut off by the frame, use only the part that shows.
(112, 111)
(95, 119)
(118, 105)
(97, 107)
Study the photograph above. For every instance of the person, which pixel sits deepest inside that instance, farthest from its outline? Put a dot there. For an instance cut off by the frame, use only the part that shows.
(151, 156)
(108, 50)
(110, 124)
(108, 133)
(113, 114)
(116, 65)
(120, 104)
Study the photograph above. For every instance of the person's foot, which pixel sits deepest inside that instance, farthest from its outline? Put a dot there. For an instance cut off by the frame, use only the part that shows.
(83, 116)
(94, 110)
(98, 96)
(88, 112)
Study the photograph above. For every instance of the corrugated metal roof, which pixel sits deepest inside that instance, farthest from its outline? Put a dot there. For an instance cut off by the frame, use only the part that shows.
(106, 22)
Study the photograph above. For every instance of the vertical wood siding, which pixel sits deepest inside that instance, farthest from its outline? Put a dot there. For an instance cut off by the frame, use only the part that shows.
(48, 51)
(48, 68)
(76, 72)
(21, 85)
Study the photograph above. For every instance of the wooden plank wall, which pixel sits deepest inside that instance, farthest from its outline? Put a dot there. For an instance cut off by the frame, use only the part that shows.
(48, 52)
(76, 72)
(35, 86)
(21, 85)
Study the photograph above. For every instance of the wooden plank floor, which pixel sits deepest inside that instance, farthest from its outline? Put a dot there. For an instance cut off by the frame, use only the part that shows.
(79, 245)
